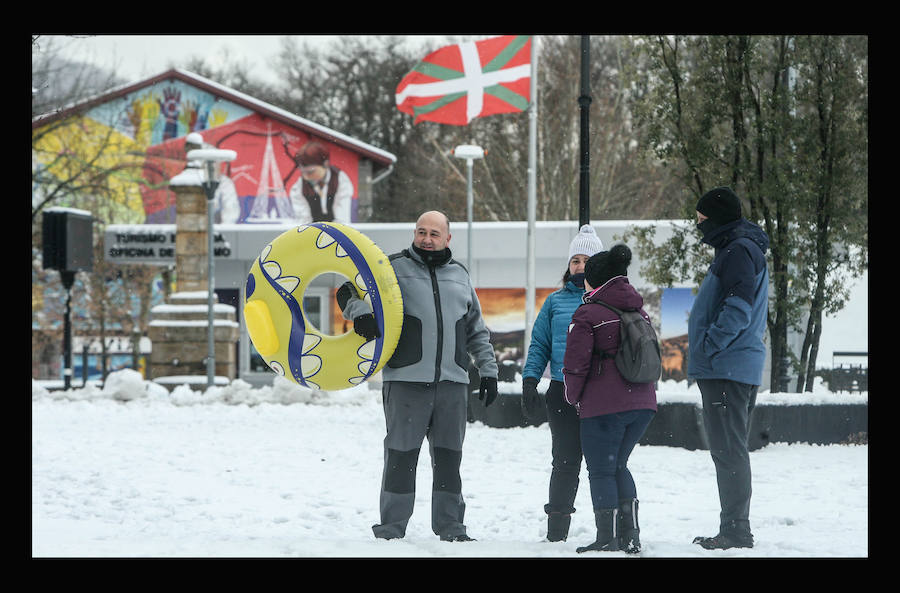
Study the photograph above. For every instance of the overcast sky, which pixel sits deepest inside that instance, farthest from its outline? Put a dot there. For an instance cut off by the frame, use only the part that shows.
(134, 57)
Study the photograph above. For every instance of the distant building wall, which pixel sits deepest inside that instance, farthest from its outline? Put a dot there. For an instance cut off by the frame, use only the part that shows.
(498, 271)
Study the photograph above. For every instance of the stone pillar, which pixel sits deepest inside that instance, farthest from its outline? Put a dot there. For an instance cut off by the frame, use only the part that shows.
(179, 328)
(191, 239)
(364, 191)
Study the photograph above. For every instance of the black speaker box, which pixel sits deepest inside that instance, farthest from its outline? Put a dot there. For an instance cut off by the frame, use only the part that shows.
(68, 240)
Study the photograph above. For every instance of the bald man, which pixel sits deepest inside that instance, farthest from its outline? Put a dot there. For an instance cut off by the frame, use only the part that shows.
(425, 382)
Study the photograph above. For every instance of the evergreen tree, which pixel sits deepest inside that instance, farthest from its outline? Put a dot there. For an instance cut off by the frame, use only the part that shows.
(782, 120)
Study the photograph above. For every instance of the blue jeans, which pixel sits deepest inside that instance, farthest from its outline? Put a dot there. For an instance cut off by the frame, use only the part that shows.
(607, 442)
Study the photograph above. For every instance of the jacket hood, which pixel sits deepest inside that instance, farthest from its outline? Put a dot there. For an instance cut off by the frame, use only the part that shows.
(618, 292)
(743, 228)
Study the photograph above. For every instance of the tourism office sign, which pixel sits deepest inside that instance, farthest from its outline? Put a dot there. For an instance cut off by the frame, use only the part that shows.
(154, 244)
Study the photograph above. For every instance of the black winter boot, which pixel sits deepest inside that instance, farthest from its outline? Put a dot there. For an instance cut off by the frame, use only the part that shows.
(629, 532)
(558, 526)
(730, 535)
(607, 540)
(725, 541)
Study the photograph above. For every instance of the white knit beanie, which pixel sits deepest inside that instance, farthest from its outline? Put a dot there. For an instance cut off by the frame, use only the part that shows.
(586, 242)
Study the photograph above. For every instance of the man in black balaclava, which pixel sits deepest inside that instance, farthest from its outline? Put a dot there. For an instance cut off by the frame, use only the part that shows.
(726, 355)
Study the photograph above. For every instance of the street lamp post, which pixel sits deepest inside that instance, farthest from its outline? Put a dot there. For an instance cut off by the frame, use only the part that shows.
(210, 158)
(470, 153)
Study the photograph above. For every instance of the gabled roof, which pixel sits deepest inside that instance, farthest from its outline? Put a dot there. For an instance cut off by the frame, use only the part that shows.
(380, 158)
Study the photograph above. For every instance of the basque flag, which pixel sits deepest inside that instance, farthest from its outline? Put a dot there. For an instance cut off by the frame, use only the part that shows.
(458, 83)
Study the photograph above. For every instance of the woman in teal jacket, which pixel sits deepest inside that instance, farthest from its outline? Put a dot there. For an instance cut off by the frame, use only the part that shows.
(548, 346)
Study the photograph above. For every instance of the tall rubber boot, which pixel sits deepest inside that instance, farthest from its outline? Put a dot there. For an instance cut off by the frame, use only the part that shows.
(607, 539)
(558, 526)
(629, 531)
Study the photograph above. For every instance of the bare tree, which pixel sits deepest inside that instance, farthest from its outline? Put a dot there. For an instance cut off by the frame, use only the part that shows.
(82, 163)
(624, 183)
(58, 81)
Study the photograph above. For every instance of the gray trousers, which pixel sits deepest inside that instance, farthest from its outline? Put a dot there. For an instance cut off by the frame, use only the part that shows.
(412, 412)
(727, 409)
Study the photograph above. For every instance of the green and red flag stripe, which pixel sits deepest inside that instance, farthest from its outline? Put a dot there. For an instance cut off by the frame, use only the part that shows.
(457, 83)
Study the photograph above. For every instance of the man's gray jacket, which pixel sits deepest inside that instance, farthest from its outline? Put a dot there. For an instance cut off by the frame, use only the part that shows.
(442, 323)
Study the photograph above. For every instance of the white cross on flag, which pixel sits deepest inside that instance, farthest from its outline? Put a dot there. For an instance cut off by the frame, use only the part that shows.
(457, 83)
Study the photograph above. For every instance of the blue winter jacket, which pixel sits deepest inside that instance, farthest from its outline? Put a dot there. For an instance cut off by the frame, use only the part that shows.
(727, 324)
(548, 336)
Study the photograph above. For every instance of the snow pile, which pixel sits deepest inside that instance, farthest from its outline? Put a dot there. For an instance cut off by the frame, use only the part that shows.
(128, 385)
(124, 385)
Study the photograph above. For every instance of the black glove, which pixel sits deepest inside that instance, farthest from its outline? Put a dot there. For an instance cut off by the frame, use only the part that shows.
(531, 400)
(488, 391)
(366, 326)
(344, 293)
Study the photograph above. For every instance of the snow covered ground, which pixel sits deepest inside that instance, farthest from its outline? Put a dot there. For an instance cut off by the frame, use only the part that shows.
(130, 470)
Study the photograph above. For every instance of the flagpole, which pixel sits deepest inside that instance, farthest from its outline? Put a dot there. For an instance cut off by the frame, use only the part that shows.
(532, 199)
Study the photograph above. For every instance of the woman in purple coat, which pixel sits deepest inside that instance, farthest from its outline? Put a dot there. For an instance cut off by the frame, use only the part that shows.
(613, 412)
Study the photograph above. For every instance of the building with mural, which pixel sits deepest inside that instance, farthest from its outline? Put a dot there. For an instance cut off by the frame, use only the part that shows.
(287, 169)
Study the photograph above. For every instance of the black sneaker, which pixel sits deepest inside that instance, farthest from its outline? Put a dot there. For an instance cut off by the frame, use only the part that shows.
(724, 541)
(457, 538)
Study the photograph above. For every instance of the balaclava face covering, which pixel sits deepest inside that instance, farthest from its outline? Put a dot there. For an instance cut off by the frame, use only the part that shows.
(720, 206)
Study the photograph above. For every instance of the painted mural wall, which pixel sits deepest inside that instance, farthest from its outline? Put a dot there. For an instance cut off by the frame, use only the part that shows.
(280, 174)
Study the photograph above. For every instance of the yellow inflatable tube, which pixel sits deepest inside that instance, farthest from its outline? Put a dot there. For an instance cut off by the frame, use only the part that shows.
(278, 327)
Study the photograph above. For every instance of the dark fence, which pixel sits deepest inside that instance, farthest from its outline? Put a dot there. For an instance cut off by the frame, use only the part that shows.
(681, 424)
(847, 377)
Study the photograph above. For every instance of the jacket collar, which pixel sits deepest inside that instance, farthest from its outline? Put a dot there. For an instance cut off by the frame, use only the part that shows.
(725, 234)
(594, 295)
(720, 235)
(431, 258)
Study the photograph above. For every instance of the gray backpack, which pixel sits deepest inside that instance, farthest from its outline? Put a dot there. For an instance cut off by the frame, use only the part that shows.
(638, 358)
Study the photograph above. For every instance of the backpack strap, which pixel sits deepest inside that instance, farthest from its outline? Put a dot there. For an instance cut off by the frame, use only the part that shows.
(610, 307)
(618, 312)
